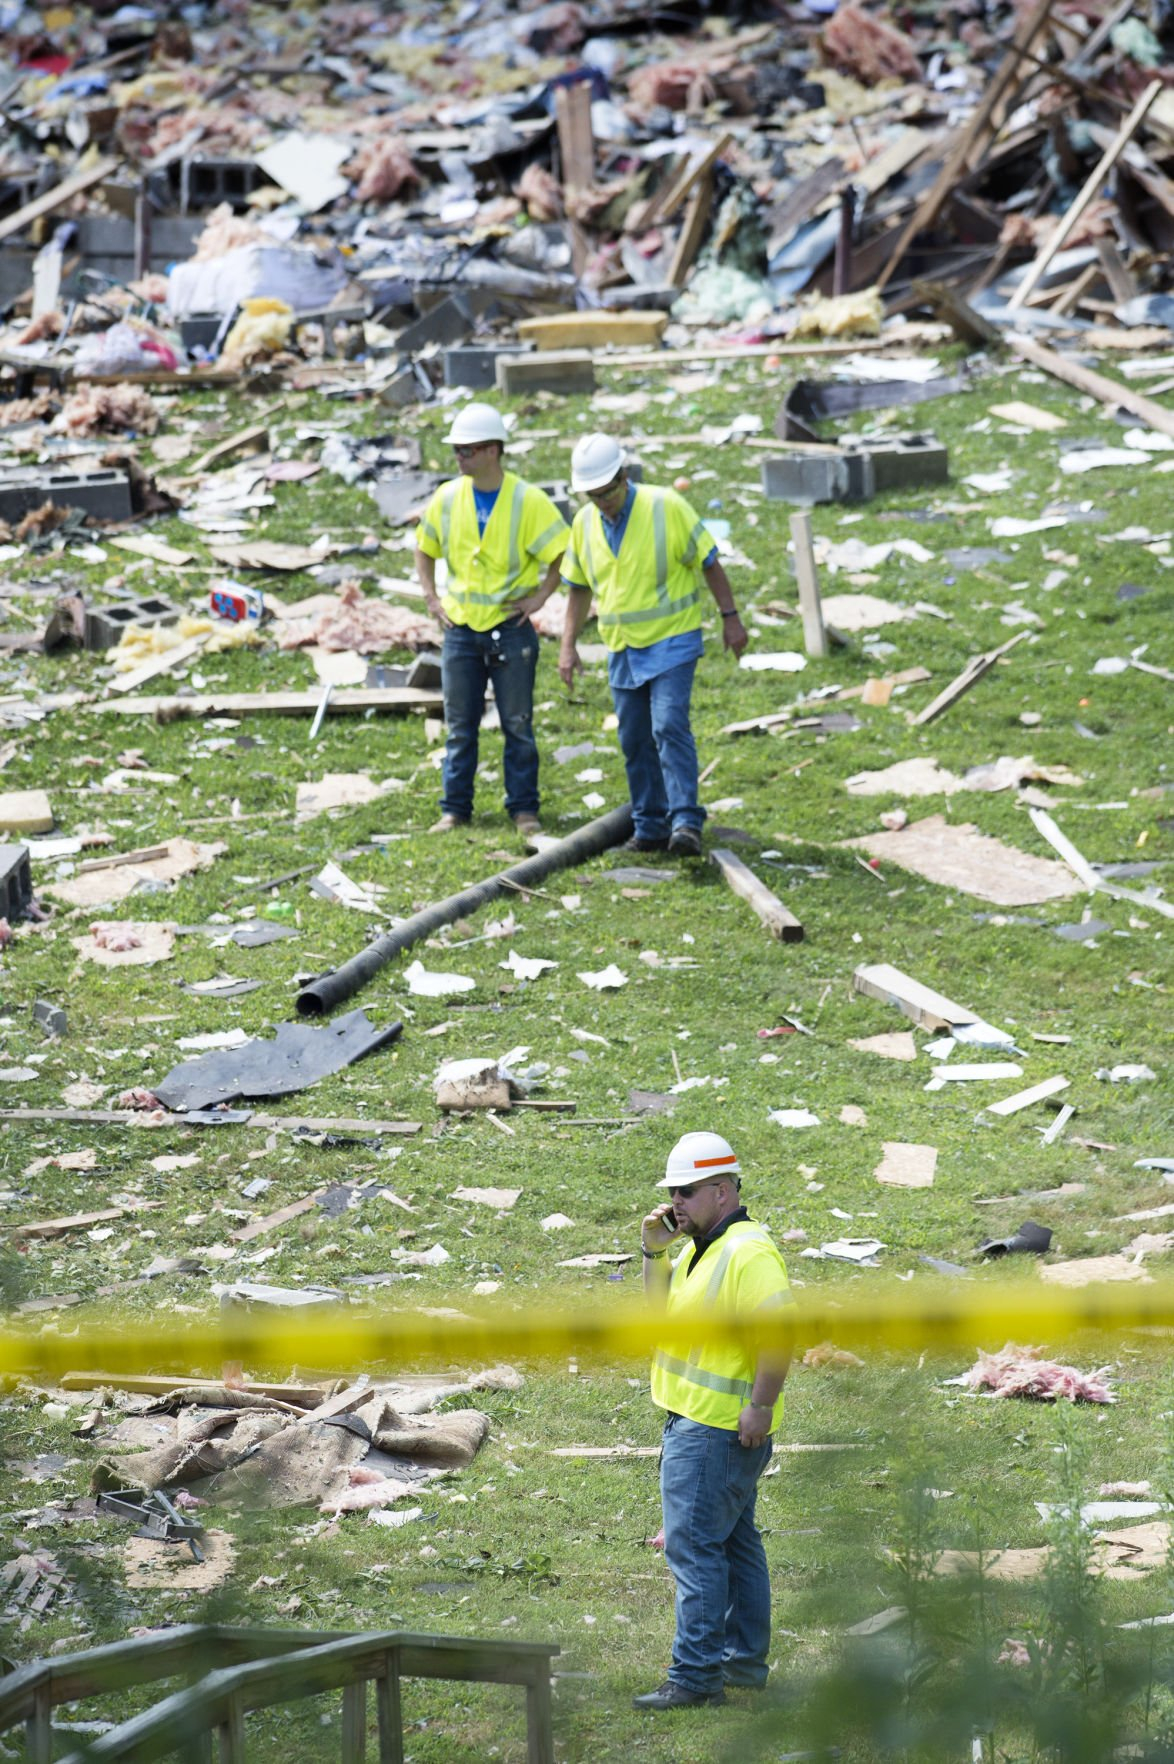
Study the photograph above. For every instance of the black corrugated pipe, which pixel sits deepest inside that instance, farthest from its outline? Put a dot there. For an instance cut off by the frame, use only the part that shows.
(329, 990)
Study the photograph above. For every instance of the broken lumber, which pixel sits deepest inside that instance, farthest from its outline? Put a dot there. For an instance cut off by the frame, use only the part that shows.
(923, 1006)
(1087, 193)
(814, 636)
(57, 197)
(299, 1396)
(1108, 392)
(78, 1221)
(237, 1118)
(330, 989)
(1023, 1099)
(354, 701)
(697, 217)
(769, 908)
(972, 673)
(282, 1216)
(1084, 872)
(254, 440)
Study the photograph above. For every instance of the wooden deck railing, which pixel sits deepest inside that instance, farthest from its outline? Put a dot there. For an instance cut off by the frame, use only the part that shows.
(266, 1667)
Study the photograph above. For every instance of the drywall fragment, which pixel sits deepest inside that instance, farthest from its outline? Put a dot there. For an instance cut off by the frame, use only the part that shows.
(897, 1045)
(907, 1166)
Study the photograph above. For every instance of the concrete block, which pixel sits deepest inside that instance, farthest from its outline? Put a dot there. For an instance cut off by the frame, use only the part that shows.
(105, 624)
(16, 881)
(568, 371)
(908, 461)
(475, 364)
(205, 183)
(103, 492)
(448, 322)
(809, 478)
(50, 1019)
(25, 811)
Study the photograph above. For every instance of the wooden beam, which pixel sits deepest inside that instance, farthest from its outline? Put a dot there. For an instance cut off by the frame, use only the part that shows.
(576, 143)
(923, 1006)
(972, 673)
(57, 197)
(666, 202)
(1117, 272)
(355, 701)
(254, 440)
(746, 885)
(1088, 193)
(1108, 392)
(300, 1395)
(697, 217)
(814, 636)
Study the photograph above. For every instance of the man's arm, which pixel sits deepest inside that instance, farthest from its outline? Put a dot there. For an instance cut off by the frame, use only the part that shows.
(426, 576)
(656, 1234)
(734, 634)
(578, 606)
(524, 609)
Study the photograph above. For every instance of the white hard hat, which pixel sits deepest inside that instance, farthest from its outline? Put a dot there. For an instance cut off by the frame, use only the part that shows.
(597, 459)
(698, 1156)
(477, 422)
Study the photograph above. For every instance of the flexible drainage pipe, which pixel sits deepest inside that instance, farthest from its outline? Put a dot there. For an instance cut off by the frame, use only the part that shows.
(328, 990)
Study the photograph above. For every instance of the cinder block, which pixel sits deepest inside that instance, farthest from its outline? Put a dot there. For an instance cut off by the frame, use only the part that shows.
(105, 624)
(50, 1019)
(16, 881)
(449, 321)
(568, 371)
(475, 364)
(103, 492)
(205, 183)
(808, 478)
(909, 460)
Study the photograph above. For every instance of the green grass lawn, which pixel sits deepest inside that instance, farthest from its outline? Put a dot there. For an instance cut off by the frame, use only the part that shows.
(525, 1544)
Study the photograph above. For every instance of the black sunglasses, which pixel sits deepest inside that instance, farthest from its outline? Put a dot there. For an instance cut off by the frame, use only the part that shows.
(691, 1188)
(597, 495)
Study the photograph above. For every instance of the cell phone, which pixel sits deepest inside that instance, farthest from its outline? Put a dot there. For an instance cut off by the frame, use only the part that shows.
(669, 1219)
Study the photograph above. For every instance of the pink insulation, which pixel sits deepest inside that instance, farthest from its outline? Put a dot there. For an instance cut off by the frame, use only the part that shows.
(357, 623)
(1023, 1372)
(541, 194)
(116, 937)
(108, 410)
(384, 169)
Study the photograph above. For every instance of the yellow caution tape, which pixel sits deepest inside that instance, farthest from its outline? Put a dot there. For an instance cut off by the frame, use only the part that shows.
(933, 1319)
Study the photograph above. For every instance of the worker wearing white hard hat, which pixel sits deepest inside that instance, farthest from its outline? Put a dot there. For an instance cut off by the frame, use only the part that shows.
(722, 1404)
(643, 554)
(497, 536)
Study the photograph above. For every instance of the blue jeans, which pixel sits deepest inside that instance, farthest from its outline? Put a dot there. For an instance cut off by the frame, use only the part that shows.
(708, 1488)
(660, 755)
(507, 658)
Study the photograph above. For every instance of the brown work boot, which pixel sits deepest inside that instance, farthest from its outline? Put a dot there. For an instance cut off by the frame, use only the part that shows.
(447, 824)
(527, 824)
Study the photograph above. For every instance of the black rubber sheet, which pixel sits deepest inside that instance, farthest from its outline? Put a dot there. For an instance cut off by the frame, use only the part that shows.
(297, 1057)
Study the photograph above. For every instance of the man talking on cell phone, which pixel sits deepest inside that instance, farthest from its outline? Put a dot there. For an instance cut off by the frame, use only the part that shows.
(722, 1405)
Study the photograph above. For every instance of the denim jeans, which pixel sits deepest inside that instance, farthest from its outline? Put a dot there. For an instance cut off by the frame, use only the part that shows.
(506, 658)
(708, 1488)
(660, 755)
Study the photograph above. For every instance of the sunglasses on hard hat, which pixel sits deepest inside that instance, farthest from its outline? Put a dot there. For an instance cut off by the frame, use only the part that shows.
(607, 490)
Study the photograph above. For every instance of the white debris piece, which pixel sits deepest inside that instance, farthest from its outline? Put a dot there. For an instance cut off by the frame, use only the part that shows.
(793, 1117)
(426, 985)
(526, 967)
(608, 979)
(209, 1043)
(556, 1222)
(1126, 1074)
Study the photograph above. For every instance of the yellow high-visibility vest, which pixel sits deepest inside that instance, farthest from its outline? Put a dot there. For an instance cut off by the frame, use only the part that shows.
(486, 571)
(652, 589)
(741, 1273)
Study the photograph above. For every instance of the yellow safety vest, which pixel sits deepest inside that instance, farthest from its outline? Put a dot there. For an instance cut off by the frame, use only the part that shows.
(652, 590)
(486, 571)
(742, 1273)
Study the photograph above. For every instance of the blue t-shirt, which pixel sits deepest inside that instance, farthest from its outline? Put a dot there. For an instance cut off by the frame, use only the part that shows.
(483, 501)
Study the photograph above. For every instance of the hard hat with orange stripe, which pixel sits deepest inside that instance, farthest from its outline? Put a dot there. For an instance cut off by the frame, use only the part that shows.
(698, 1157)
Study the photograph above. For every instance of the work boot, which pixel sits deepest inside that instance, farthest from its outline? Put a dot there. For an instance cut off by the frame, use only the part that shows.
(639, 842)
(675, 1696)
(447, 824)
(685, 842)
(527, 824)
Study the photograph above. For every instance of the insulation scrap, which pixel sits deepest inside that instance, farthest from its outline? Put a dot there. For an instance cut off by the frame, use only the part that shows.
(26, 410)
(383, 168)
(116, 937)
(868, 49)
(842, 315)
(50, 324)
(108, 410)
(675, 85)
(366, 1489)
(365, 625)
(45, 519)
(541, 194)
(151, 287)
(138, 1099)
(1032, 232)
(826, 1353)
(225, 232)
(262, 329)
(1022, 1371)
